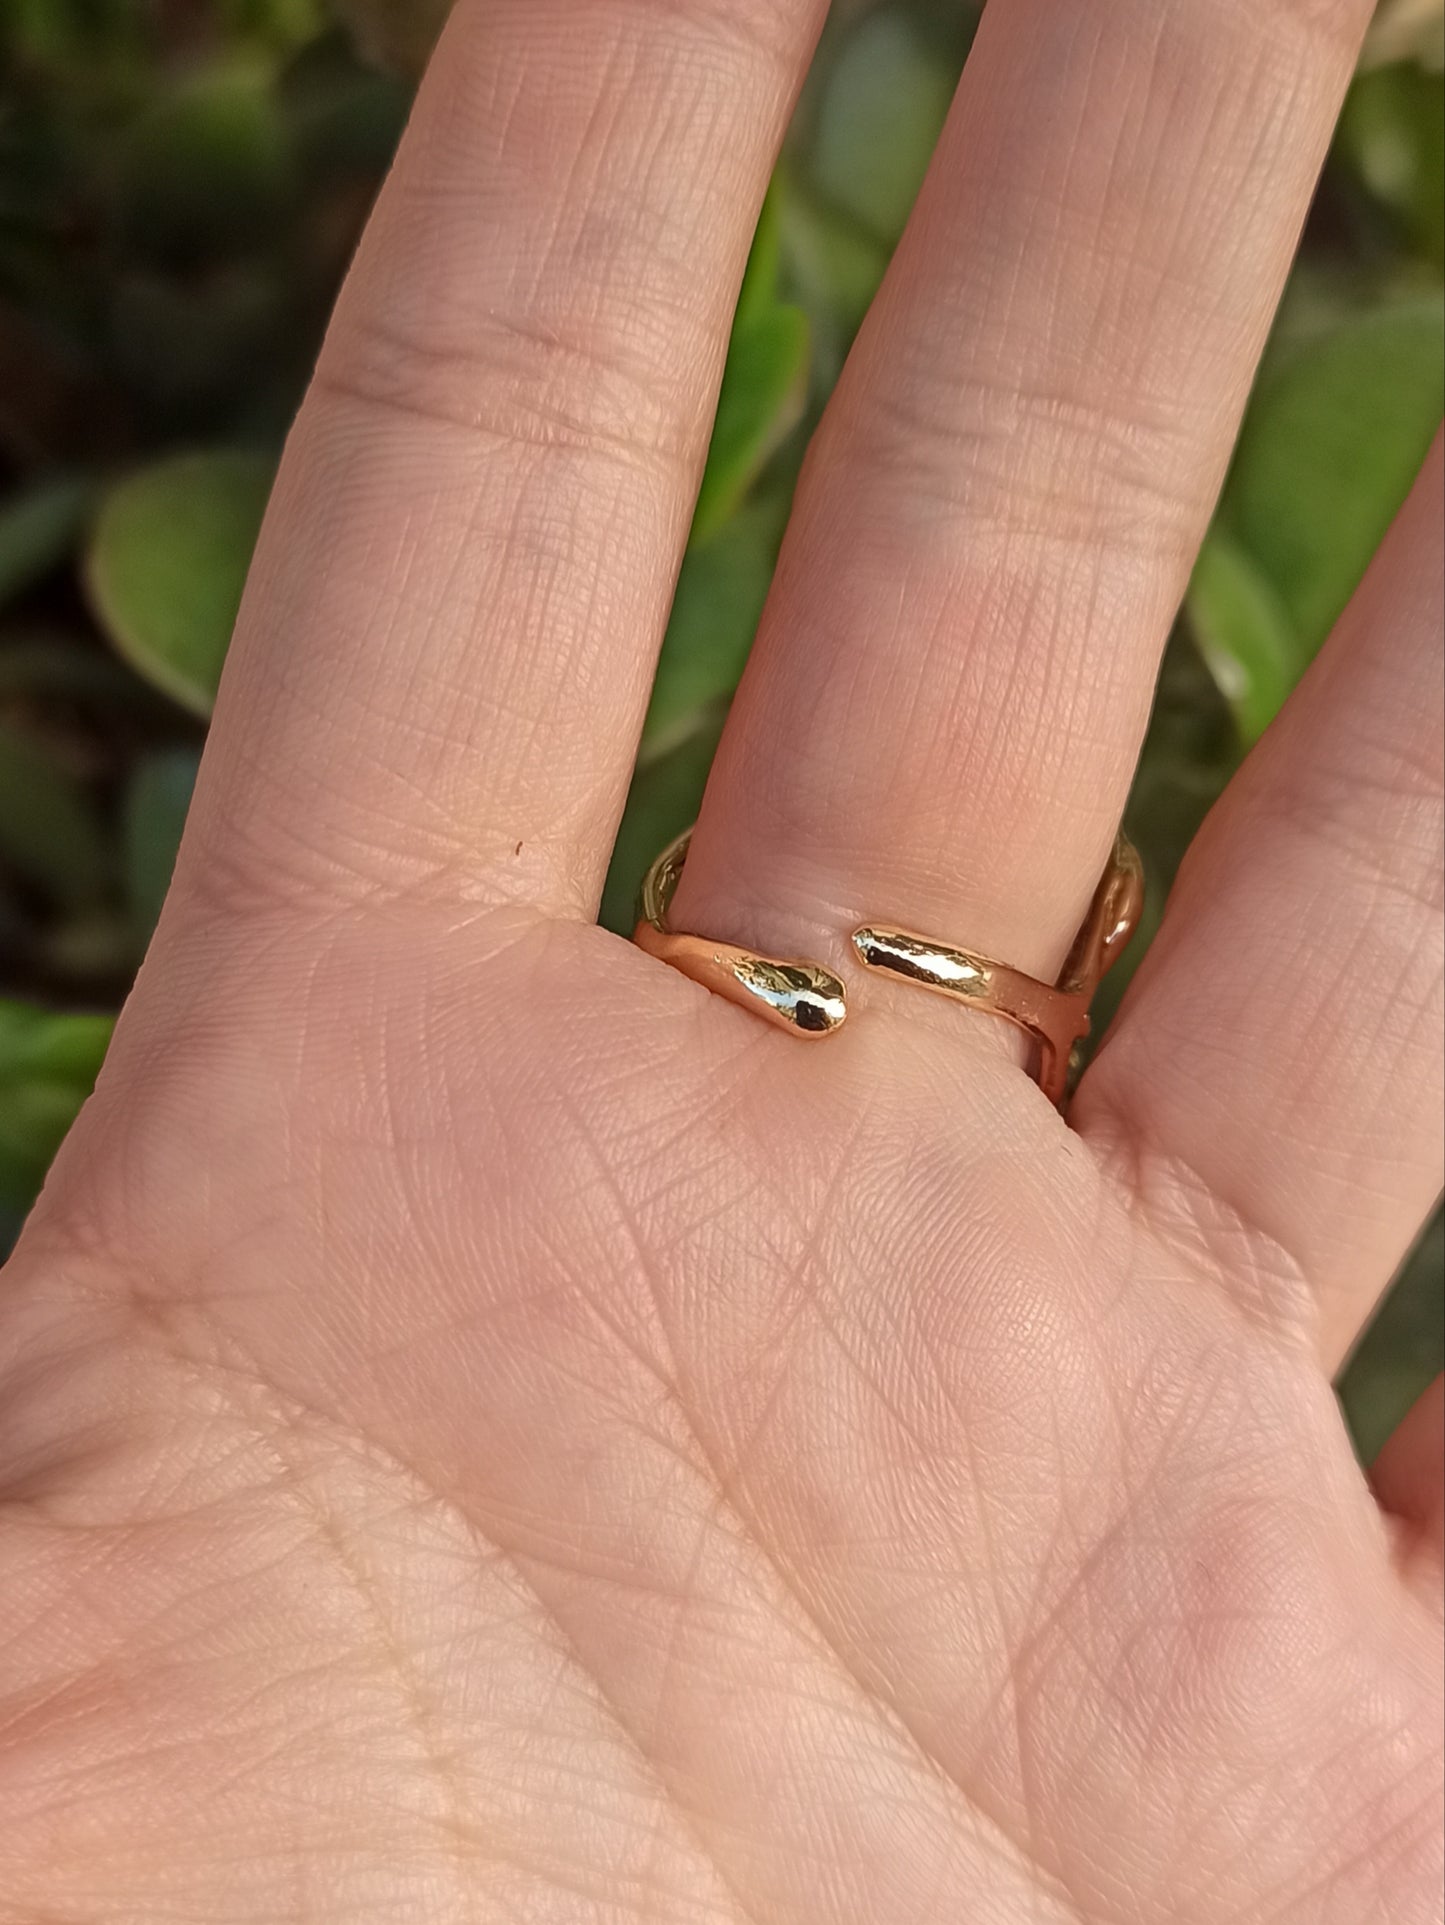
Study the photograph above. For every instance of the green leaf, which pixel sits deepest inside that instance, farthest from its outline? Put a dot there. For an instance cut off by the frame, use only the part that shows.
(1334, 437)
(759, 291)
(156, 803)
(38, 528)
(720, 596)
(1244, 634)
(665, 797)
(837, 267)
(1406, 30)
(765, 385)
(167, 565)
(1392, 131)
(48, 1066)
(884, 107)
(49, 834)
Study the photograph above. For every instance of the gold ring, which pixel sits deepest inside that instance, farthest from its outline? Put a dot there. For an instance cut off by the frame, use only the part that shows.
(811, 1001)
(800, 996)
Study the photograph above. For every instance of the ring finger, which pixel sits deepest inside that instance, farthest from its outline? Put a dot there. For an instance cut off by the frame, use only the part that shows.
(946, 698)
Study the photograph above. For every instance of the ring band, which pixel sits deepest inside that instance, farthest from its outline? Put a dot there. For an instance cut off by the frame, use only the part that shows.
(1057, 1017)
(811, 1001)
(796, 995)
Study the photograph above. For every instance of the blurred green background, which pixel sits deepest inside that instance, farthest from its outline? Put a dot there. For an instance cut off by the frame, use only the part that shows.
(181, 185)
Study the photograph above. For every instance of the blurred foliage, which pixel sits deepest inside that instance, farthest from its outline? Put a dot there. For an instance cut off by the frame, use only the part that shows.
(181, 185)
(1406, 30)
(48, 1064)
(166, 563)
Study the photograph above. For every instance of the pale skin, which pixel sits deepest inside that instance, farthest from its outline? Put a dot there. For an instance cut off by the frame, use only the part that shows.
(491, 1432)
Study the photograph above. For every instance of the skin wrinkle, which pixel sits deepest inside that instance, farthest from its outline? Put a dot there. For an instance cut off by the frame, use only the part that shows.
(870, 1704)
(1123, 1692)
(1193, 1220)
(724, 1483)
(472, 850)
(1385, 869)
(241, 1370)
(1330, 996)
(944, 470)
(541, 423)
(732, 1032)
(684, 1413)
(1001, 762)
(738, 1519)
(740, 1456)
(1045, 1621)
(1292, 1900)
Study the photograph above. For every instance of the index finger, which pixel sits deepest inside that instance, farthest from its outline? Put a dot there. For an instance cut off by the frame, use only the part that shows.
(448, 639)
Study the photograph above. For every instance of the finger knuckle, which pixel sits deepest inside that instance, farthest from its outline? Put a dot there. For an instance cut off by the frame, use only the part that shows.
(549, 390)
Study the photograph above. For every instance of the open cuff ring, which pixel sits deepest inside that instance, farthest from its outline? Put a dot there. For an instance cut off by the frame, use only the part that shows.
(811, 1001)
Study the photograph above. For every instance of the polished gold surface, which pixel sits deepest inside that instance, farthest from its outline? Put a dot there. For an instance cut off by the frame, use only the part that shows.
(1056, 1018)
(795, 995)
(809, 1000)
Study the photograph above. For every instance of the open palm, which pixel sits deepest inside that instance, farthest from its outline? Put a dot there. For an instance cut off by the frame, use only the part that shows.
(490, 1431)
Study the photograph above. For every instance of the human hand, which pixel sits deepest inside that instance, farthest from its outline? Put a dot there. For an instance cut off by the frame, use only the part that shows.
(490, 1431)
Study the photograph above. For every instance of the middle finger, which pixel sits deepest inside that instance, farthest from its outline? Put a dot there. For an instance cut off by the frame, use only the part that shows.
(996, 523)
